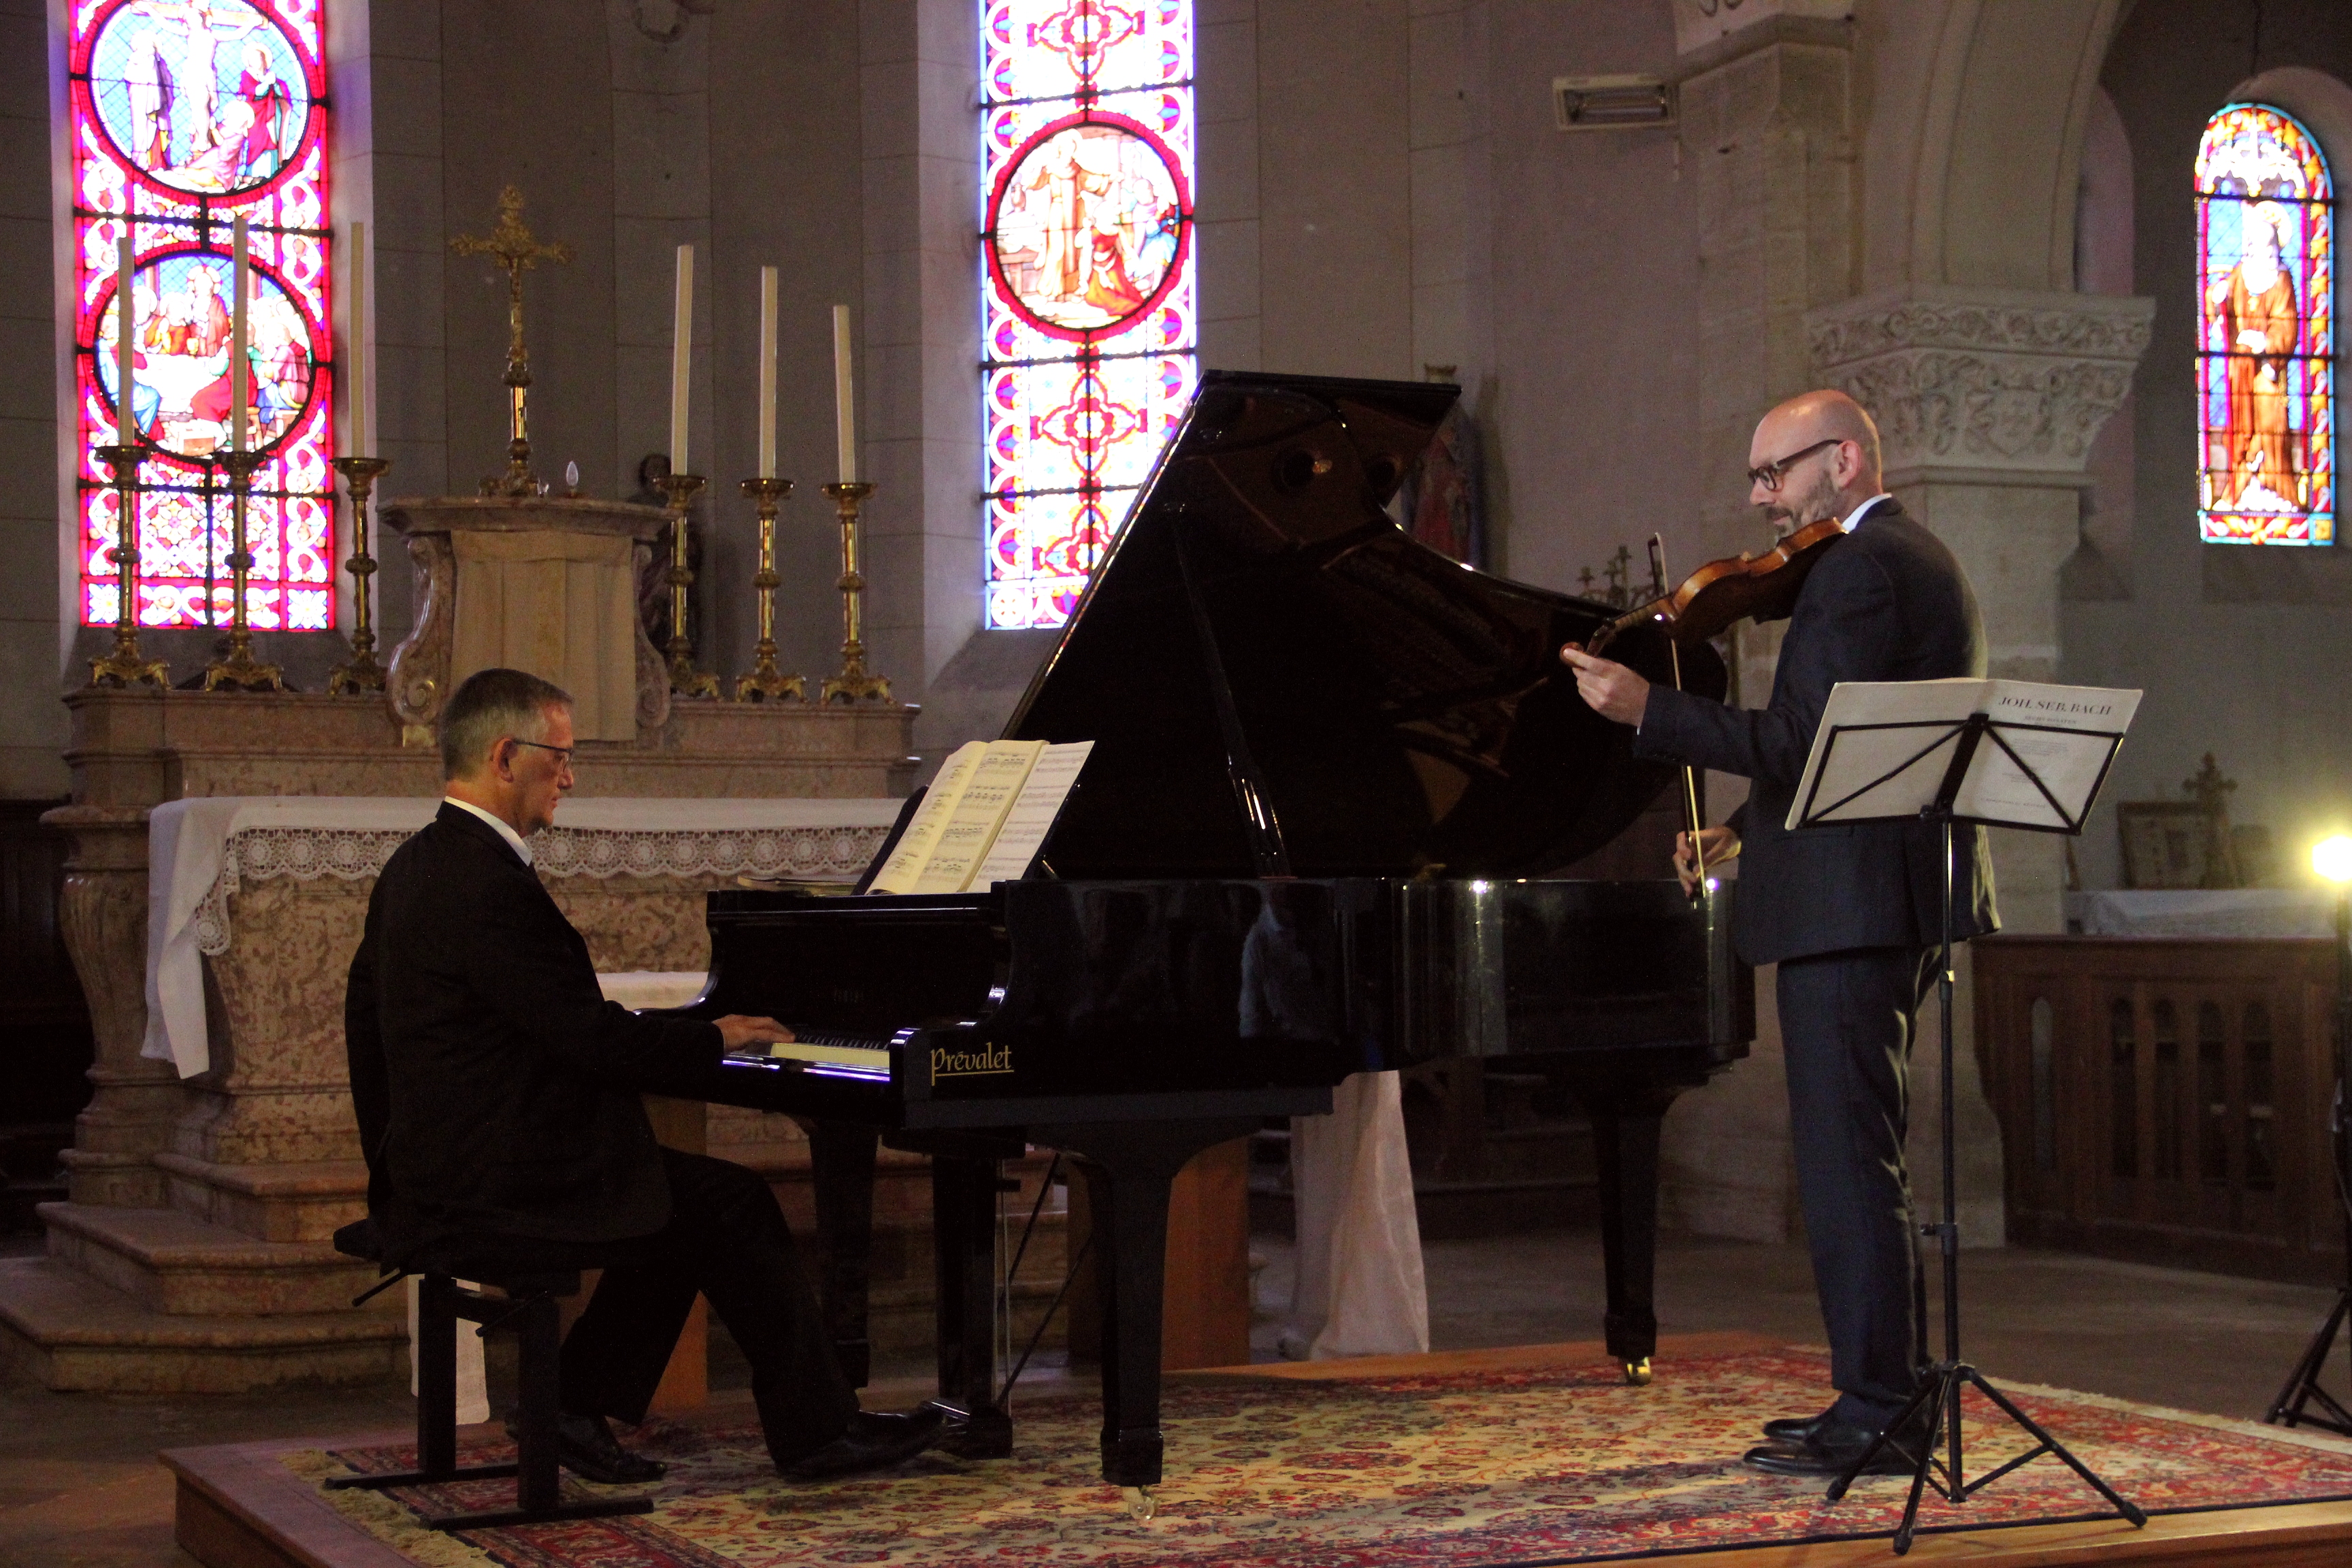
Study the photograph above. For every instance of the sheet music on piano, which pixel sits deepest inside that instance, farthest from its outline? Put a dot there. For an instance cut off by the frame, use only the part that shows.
(985, 818)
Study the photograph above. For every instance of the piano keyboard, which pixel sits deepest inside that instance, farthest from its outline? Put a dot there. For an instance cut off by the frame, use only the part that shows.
(867, 1053)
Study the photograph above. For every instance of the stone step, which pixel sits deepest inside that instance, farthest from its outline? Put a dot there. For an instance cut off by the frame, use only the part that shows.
(178, 1264)
(306, 1201)
(66, 1330)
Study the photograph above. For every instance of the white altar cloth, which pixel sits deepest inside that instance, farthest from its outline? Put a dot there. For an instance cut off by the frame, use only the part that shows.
(2193, 911)
(200, 851)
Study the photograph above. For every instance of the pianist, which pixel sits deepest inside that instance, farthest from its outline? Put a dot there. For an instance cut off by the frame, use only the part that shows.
(1850, 914)
(494, 1088)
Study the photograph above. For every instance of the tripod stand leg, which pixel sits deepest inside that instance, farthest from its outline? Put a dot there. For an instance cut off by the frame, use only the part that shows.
(2303, 1383)
(1945, 1391)
(2033, 1429)
(1932, 1389)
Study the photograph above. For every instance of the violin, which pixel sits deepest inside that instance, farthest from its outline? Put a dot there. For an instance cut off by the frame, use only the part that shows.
(1761, 586)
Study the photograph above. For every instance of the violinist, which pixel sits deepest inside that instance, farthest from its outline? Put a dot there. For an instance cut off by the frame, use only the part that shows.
(1851, 913)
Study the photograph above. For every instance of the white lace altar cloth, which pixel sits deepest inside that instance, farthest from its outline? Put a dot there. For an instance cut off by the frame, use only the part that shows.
(200, 852)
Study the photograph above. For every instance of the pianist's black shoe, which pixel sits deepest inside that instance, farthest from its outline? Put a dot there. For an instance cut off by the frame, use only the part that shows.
(1796, 1429)
(873, 1442)
(1833, 1447)
(586, 1446)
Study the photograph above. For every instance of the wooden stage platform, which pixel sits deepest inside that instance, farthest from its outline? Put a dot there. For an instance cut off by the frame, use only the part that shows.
(240, 1506)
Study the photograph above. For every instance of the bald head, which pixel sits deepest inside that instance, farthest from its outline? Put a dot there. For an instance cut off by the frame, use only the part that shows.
(1823, 448)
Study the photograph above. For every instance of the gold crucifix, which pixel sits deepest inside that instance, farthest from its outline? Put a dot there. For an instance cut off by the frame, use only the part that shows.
(513, 246)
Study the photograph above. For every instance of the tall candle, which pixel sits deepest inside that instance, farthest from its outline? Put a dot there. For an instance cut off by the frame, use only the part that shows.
(767, 373)
(126, 424)
(239, 367)
(845, 398)
(681, 358)
(356, 365)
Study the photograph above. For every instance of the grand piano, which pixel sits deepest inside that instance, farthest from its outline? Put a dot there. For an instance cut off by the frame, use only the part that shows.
(1331, 770)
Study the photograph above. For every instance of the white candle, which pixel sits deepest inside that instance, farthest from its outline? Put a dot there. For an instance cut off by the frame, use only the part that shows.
(681, 358)
(355, 365)
(238, 367)
(767, 373)
(845, 398)
(126, 424)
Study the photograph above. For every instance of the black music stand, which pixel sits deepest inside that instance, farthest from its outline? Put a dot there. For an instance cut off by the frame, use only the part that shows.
(2292, 1405)
(1912, 768)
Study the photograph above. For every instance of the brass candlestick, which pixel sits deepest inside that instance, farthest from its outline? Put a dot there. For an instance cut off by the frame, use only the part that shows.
(125, 666)
(685, 680)
(240, 671)
(853, 684)
(766, 682)
(363, 674)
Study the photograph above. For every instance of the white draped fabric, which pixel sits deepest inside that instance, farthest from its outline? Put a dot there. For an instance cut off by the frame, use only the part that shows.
(1359, 1289)
(2191, 912)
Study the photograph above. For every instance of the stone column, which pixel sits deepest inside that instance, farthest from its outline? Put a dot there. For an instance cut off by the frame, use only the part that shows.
(1986, 402)
(1766, 128)
(104, 914)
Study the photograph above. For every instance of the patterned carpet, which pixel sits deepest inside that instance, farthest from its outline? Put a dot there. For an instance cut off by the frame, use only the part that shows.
(1427, 1462)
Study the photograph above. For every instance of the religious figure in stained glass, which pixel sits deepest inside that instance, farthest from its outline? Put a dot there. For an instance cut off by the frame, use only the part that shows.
(185, 114)
(1087, 311)
(2265, 370)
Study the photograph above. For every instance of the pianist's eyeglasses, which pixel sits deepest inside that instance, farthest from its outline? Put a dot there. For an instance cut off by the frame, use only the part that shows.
(1770, 475)
(563, 754)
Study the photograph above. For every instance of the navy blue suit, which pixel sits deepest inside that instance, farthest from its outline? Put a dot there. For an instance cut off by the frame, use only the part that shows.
(1851, 915)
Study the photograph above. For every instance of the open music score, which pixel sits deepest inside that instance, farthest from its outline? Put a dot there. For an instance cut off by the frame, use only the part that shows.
(985, 818)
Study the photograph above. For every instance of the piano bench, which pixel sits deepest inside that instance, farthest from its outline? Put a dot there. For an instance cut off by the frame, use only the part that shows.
(525, 1306)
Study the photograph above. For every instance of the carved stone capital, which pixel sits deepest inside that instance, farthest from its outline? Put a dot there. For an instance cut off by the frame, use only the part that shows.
(2005, 383)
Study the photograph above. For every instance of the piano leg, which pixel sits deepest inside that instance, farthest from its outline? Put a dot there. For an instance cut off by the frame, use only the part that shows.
(963, 1229)
(841, 1161)
(1625, 1121)
(1127, 1167)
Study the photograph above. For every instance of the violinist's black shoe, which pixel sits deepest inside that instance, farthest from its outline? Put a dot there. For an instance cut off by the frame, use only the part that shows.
(1834, 1445)
(873, 1442)
(1796, 1429)
(586, 1446)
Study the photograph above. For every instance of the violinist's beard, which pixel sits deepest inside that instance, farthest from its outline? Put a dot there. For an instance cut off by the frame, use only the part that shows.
(1819, 500)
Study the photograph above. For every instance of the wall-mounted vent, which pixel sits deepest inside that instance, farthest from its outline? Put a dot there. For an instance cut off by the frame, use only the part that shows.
(1611, 102)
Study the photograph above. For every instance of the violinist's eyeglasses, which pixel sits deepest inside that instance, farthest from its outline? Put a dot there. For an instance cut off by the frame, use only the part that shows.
(1770, 475)
(563, 754)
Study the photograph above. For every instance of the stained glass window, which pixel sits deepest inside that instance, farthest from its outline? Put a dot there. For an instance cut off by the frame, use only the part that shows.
(185, 114)
(1088, 315)
(2266, 343)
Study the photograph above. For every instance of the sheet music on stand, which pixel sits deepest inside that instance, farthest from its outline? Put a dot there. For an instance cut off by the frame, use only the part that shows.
(2011, 753)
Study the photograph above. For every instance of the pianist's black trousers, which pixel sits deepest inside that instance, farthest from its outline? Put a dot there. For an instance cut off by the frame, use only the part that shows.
(727, 1240)
(1847, 1021)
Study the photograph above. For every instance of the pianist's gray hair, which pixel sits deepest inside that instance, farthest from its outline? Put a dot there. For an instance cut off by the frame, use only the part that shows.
(489, 705)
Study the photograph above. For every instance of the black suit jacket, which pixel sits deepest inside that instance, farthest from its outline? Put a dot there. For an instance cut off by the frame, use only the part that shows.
(1888, 602)
(493, 1083)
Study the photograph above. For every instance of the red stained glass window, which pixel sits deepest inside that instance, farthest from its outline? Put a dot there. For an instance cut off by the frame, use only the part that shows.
(186, 113)
(1088, 315)
(2266, 340)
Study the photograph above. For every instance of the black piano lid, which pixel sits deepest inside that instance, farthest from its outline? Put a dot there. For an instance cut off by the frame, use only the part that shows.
(1401, 709)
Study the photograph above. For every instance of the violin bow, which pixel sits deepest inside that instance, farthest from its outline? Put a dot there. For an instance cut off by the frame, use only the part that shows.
(1690, 774)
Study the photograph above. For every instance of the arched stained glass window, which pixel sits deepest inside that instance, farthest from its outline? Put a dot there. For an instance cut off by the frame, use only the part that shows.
(2266, 343)
(1087, 314)
(185, 114)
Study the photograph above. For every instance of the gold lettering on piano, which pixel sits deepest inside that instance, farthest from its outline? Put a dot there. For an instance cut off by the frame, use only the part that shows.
(982, 1063)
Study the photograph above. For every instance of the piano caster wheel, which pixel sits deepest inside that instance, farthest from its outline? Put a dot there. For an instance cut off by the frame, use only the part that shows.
(1637, 1373)
(1142, 1502)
